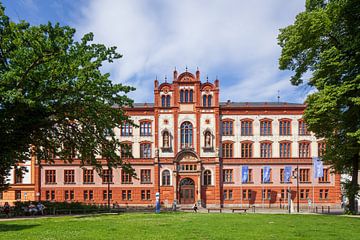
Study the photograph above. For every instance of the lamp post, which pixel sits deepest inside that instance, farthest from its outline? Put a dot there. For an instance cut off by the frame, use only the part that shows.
(297, 187)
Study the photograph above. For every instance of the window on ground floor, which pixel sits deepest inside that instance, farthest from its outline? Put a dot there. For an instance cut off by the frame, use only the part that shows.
(145, 194)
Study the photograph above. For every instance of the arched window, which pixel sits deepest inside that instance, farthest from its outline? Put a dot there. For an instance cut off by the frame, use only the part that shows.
(204, 100)
(168, 101)
(166, 139)
(191, 96)
(208, 139)
(209, 101)
(186, 96)
(186, 135)
(163, 101)
(166, 178)
(181, 95)
(207, 177)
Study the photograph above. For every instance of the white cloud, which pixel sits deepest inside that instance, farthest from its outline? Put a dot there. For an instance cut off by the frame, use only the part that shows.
(234, 39)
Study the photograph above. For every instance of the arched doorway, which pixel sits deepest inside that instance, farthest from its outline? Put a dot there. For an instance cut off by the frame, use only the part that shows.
(187, 191)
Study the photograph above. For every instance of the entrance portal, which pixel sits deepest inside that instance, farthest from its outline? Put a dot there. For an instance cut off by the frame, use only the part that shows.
(187, 190)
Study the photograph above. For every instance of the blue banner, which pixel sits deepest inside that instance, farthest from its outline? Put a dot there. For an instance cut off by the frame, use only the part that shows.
(287, 173)
(266, 174)
(318, 167)
(245, 174)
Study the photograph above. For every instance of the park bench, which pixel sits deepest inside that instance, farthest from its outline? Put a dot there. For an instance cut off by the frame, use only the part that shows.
(239, 209)
(214, 210)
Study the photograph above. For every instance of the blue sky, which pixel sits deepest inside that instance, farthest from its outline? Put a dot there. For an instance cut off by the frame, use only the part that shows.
(232, 39)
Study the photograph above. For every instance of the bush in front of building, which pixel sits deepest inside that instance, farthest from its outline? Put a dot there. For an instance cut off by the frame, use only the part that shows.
(22, 208)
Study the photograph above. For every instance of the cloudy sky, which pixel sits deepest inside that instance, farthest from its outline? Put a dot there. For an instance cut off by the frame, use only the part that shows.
(234, 40)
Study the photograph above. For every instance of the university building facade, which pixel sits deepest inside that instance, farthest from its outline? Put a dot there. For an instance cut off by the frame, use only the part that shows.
(190, 147)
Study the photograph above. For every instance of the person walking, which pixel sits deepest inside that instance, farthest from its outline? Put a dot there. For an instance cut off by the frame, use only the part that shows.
(195, 208)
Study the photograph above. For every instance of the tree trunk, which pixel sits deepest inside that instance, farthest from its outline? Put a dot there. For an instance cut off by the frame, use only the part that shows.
(354, 184)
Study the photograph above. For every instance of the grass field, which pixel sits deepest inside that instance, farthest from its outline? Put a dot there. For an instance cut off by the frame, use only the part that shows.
(184, 226)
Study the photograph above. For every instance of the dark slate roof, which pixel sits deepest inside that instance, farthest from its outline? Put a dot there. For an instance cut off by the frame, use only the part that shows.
(259, 104)
(234, 104)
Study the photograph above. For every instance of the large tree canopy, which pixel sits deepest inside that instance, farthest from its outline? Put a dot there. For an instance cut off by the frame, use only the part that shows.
(325, 42)
(53, 97)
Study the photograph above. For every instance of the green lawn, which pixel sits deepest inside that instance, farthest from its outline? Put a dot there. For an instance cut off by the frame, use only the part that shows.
(184, 226)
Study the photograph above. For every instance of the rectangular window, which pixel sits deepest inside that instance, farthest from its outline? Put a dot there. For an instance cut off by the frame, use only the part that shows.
(50, 176)
(227, 128)
(265, 150)
(105, 195)
(18, 176)
(18, 195)
(1, 195)
(246, 150)
(145, 175)
(88, 176)
(145, 129)
(324, 194)
(225, 194)
(283, 194)
(246, 194)
(128, 194)
(123, 195)
(304, 149)
(228, 176)
(321, 149)
(126, 150)
(86, 195)
(230, 194)
(250, 176)
(285, 127)
(326, 176)
(265, 128)
(285, 150)
(47, 195)
(282, 176)
(91, 195)
(145, 194)
(305, 175)
(303, 128)
(246, 128)
(50, 195)
(126, 129)
(262, 172)
(126, 177)
(69, 176)
(107, 176)
(145, 150)
(227, 150)
(266, 194)
(69, 195)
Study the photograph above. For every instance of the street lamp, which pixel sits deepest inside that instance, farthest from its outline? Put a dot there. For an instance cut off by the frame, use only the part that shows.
(297, 187)
(108, 190)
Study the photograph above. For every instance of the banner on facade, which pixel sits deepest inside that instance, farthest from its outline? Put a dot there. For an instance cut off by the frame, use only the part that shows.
(318, 167)
(245, 174)
(287, 174)
(266, 174)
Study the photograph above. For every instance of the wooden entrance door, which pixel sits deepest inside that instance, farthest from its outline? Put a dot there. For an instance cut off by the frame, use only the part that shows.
(187, 191)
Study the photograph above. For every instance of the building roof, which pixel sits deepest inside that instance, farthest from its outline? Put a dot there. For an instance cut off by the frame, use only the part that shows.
(259, 104)
(230, 104)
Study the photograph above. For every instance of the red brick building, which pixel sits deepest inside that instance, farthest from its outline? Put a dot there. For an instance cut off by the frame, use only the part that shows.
(190, 147)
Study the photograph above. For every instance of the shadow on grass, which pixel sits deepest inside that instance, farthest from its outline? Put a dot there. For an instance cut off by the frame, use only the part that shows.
(4, 227)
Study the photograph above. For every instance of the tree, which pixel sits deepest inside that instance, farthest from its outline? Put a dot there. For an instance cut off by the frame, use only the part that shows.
(54, 100)
(325, 42)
